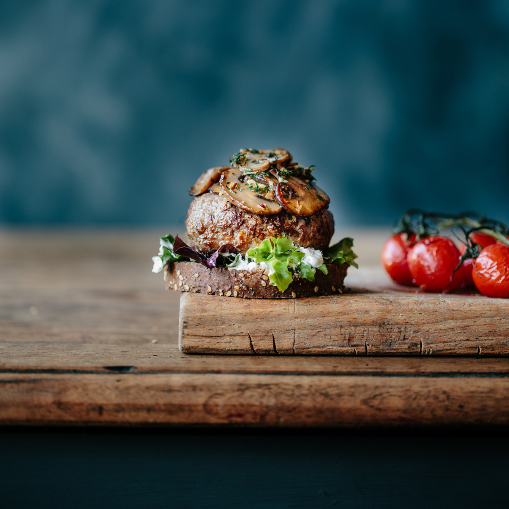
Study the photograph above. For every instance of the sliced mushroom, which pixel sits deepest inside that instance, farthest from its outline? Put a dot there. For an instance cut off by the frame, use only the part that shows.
(261, 189)
(255, 160)
(267, 182)
(299, 171)
(207, 179)
(279, 156)
(239, 194)
(261, 160)
(301, 197)
(216, 188)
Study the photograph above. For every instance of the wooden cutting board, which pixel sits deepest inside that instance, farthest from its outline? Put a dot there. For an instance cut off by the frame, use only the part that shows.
(374, 318)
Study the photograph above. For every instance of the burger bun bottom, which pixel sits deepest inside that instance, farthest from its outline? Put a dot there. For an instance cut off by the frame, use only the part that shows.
(255, 284)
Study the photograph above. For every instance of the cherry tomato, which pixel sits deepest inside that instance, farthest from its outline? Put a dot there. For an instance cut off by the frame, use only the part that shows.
(491, 271)
(394, 258)
(432, 262)
(479, 238)
(483, 240)
(465, 273)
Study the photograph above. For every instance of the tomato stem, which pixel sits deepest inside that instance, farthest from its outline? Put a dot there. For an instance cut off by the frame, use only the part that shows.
(496, 235)
(426, 224)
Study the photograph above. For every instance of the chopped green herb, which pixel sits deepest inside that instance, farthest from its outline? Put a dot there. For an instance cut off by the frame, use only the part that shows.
(232, 187)
(307, 173)
(239, 158)
(257, 189)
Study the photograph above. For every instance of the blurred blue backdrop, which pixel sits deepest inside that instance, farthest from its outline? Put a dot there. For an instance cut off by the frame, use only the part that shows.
(110, 109)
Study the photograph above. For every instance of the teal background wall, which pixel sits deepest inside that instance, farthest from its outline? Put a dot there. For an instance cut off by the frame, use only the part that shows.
(109, 109)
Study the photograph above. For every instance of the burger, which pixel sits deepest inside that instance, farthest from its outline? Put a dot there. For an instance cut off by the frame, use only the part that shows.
(258, 228)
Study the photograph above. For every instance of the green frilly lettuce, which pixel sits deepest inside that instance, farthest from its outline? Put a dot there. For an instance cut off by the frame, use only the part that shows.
(341, 253)
(283, 258)
(280, 254)
(166, 254)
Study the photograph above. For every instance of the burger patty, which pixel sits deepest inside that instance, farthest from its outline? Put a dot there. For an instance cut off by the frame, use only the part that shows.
(212, 221)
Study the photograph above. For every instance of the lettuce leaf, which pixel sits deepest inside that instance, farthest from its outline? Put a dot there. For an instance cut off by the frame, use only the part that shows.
(282, 257)
(341, 253)
(173, 249)
(279, 254)
(307, 271)
(281, 276)
(182, 249)
(166, 254)
(323, 269)
(262, 253)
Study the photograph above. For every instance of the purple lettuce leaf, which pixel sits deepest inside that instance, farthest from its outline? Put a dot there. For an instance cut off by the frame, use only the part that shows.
(182, 249)
(212, 260)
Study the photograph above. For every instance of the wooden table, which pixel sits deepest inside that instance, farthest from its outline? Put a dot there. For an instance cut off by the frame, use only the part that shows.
(89, 366)
(88, 335)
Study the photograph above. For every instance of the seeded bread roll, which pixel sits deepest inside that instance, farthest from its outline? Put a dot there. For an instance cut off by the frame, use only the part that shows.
(255, 284)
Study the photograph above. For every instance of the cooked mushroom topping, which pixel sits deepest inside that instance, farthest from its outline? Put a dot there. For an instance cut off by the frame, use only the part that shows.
(279, 156)
(206, 180)
(216, 188)
(252, 160)
(301, 197)
(255, 161)
(247, 197)
(263, 182)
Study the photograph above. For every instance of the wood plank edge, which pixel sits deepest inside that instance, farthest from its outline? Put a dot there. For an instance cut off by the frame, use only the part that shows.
(252, 400)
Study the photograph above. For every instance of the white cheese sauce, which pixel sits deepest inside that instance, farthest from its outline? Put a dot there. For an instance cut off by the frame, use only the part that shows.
(312, 257)
(158, 264)
(249, 266)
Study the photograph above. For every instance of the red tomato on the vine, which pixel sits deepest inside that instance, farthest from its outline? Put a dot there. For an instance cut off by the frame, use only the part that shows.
(432, 262)
(479, 238)
(465, 273)
(483, 240)
(394, 258)
(491, 271)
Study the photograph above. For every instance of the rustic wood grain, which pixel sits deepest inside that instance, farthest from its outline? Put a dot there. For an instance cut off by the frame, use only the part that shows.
(368, 323)
(88, 335)
(165, 358)
(255, 400)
